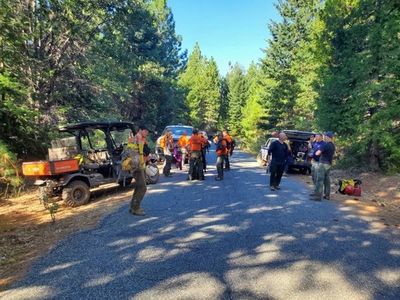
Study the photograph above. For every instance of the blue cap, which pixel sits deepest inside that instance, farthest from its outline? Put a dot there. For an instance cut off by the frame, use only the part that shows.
(329, 134)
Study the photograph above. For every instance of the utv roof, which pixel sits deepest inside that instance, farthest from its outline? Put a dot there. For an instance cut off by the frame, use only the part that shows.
(113, 125)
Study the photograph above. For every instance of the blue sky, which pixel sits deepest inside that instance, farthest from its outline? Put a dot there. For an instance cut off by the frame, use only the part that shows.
(228, 30)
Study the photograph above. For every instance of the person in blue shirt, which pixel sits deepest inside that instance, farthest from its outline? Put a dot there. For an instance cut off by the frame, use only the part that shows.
(315, 146)
(322, 173)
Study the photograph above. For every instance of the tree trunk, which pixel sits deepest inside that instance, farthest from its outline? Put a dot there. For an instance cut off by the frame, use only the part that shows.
(374, 155)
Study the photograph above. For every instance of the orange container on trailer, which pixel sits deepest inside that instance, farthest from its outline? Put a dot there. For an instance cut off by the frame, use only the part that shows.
(49, 168)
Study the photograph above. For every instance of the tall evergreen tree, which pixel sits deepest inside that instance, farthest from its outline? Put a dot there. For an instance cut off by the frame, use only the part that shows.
(237, 95)
(212, 95)
(360, 90)
(287, 36)
(191, 80)
(252, 112)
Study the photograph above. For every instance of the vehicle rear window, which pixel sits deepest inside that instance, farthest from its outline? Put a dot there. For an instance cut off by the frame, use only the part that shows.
(178, 131)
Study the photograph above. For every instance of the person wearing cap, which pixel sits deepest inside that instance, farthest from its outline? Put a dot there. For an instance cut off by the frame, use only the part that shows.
(315, 145)
(139, 142)
(322, 172)
(221, 151)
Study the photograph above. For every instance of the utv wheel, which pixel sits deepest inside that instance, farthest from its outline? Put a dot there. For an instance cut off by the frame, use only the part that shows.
(260, 161)
(126, 182)
(152, 174)
(76, 193)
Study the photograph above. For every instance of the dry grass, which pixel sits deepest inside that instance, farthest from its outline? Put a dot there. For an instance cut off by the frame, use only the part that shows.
(380, 195)
(26, 229)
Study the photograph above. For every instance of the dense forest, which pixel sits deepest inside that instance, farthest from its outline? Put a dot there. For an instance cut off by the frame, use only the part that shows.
(330, 65)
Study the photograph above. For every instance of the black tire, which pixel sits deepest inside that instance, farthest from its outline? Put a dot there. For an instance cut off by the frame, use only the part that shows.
(125, 182)
(153, 179)
(76, 193)
(260, 161)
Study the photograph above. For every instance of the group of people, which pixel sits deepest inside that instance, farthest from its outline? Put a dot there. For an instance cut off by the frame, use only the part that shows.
(194, 147)
(321, 150)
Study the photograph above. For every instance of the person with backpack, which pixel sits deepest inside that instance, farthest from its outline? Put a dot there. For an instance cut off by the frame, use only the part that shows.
(195, 147)
(183, 142)
(167, 143)
(230, 146)
(139, 143)
(221, 151)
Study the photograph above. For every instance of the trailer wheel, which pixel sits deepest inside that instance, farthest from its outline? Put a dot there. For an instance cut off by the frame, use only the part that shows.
(76, 193)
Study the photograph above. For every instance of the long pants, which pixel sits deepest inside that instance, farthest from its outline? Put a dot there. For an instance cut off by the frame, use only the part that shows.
(167, 166)
(203, 157)
(220, 166)
(314, 167)
(322, 179)
(195, 157)
(140, 189)
(227, 164)
(276, 171)
(184, 153)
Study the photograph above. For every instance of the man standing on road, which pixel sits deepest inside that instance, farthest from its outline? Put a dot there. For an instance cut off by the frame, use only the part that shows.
(322, 174)
(279, 152)
(139, 141)
(315, 146)
(221, 151)
(168, 146)
(195, 145)
(229, 141)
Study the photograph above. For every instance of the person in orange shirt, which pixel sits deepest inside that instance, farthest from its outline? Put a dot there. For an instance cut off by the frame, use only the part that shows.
(168, 146)
(195, 145)
(229, 141)
(221, 151)
(204, 149)
(183, 142)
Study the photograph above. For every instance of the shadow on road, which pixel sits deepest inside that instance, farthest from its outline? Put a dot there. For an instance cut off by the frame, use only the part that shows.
(223, 240)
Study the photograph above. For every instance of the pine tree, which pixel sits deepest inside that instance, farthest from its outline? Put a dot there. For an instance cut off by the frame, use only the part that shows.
(253, 111)
(287, 36)
(237, 95)
(212, 95)
(360, 90)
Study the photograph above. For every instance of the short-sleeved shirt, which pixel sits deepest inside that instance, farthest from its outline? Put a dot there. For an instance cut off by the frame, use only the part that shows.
(196, 142)
(327, 152)
(315, 147)
(279, 152)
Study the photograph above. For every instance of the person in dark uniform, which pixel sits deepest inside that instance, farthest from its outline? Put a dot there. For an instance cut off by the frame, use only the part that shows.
(279, 152)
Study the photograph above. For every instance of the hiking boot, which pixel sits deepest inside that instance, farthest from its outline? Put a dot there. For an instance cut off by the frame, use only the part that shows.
(137, 212)
(272, 188)
(316, 198)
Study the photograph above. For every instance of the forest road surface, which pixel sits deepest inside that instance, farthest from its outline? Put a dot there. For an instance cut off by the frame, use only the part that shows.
(230, 239)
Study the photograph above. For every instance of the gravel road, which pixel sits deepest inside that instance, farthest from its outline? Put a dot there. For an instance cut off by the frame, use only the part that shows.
(232, 239)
